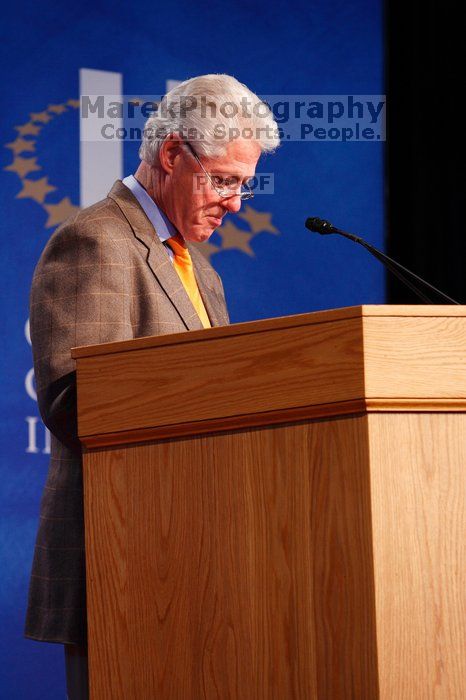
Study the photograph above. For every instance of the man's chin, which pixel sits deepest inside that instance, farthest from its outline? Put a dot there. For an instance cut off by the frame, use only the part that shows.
(200, 236)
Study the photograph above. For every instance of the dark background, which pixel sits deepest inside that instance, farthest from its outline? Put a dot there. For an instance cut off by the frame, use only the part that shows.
(424, 166)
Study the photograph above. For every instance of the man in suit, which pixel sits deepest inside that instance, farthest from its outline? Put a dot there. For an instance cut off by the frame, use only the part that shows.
(124, 268)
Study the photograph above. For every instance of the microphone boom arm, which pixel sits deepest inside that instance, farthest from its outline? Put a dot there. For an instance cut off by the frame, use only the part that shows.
(409, 278)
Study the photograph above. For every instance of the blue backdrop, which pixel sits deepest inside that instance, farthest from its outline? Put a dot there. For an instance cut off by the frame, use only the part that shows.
(270, 265)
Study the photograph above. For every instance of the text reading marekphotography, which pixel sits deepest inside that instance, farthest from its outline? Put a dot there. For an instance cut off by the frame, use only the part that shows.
(317, 118)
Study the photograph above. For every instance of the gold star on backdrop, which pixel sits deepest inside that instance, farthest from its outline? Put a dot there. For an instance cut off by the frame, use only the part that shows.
(257, 220)
(28, 129)
(41, 117)
(56, 109)
(35, 189)
(73, 103)
(59, 212)
(233, 237)
(23, 166)
(21, 145)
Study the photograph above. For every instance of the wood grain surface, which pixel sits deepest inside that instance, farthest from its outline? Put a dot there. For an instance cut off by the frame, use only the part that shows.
(418, 357)
(418, 487)
(238, 375)
(279, 323)
(317, 560)
(267, 371)
(320, 558)
(327, 410)
(233, 566)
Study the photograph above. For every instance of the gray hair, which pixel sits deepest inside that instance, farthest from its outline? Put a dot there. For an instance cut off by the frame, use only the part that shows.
(210, 111)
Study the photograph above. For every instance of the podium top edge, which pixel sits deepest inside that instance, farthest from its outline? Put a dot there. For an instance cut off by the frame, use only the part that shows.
(277, 323)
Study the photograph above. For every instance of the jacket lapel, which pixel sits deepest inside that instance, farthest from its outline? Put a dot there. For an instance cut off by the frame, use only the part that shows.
(157, 255)
(205, 277)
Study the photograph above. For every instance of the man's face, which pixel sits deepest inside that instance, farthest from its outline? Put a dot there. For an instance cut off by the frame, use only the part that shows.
(190, 201)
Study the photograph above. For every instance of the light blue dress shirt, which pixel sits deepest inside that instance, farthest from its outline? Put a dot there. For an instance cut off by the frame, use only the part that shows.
(159, 221)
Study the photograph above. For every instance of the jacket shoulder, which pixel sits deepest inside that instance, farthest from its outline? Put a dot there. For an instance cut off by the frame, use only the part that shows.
(98, 219)
(100, 227)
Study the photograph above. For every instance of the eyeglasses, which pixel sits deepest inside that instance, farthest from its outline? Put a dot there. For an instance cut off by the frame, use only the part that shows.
(224, 186)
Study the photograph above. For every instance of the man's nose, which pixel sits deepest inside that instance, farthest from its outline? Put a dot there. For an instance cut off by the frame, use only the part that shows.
(232, 204)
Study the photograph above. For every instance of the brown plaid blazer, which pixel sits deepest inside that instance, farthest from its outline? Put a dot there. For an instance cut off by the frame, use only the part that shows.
(104, 276)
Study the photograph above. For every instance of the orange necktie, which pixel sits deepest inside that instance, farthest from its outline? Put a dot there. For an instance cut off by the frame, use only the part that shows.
(184, 267)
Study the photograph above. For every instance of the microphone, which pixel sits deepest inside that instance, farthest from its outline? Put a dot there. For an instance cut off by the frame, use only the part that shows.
(319, 225)
(410, 279)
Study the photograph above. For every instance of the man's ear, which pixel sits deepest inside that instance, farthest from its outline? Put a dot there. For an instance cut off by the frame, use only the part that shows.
(170, 149)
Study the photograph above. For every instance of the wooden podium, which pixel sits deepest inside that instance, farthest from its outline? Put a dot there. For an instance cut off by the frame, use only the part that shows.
(275, 509)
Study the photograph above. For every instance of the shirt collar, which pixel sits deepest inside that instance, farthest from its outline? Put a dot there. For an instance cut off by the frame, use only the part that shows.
(163, 227)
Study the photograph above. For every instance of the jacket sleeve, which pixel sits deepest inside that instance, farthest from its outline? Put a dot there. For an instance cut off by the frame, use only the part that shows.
(79, 296)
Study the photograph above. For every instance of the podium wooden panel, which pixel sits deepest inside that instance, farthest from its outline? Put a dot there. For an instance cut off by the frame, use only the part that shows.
(275, 509)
